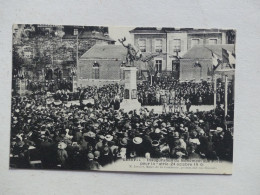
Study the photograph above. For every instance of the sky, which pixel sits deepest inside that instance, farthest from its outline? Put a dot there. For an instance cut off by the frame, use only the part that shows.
(116, 33)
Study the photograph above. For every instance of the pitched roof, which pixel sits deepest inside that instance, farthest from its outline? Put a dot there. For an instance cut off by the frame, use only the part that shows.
(105, 52)
(204, 51)
(170, 29)
(90, 35)
(147, 30)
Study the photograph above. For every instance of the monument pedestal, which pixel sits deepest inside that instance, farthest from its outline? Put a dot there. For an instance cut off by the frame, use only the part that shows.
(130, 101)
(130, 104)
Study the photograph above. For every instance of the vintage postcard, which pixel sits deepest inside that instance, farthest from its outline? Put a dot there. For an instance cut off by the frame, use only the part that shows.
(134, 99)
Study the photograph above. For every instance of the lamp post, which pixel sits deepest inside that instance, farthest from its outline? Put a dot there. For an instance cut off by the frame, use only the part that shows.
(20, 77)
(73, 74)
(77, 53)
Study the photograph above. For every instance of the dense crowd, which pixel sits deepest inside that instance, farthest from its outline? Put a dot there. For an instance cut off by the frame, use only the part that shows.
(173, 92)
(49, 85)
(92, 136)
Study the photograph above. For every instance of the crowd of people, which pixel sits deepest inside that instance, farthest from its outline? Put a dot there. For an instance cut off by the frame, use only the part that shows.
(173, 92)
(92, 136)
(49, 85)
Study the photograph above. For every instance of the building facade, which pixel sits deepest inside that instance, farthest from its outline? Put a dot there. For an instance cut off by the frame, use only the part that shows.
(196, 64)
(171, 44)
(101, 65)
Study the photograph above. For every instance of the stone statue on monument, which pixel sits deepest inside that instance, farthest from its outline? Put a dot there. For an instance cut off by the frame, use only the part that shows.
(133, 54)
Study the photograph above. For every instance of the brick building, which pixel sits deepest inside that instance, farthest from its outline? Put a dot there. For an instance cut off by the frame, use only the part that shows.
(101, 65)
(196, 64)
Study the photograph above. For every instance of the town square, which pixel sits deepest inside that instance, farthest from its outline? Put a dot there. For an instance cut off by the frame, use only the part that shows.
(87, 97)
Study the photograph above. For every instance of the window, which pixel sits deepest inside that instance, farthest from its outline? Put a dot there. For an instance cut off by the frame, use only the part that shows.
(213, 41)
(75, 32)
(177, 45)
(158, 65)
(158, 45)
(95, 72)
(142, 45)
(195, 42)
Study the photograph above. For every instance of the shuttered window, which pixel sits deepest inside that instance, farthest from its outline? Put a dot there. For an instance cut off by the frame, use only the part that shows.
(158, 45)
(213, 41)
(142, 45)
(195, 42)
(176, 45)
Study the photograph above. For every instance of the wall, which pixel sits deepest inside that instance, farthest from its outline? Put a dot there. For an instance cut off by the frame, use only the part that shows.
(108, 69)
(189, 72)
(204, 38)
(150, 41)
(170, 44)
(95, 82)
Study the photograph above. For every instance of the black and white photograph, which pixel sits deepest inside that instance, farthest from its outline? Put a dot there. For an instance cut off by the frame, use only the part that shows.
(135, 99)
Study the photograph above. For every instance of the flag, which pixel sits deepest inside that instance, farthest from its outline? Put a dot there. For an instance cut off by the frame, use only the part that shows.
(231, 58)
(215, 61)
(225, 56)
(228, 58)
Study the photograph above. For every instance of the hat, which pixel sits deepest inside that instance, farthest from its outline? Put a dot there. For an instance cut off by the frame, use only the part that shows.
(180, 154)
(163, 124)
(137, 140)
(155, 143)
(195, 141)
(132, 154)
(80, 127)
(164, 131)
(90, 156)
(106, 150)
(123, 142)
(20, 143)
(89, 134)
(57, 102)
(201, 121)
(62, 145)
(171, 128)
(109, 137)
(176, 135)
(219, 129)
(97, 154)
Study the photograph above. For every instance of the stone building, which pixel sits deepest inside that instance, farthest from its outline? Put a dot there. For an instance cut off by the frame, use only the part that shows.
(172, 43)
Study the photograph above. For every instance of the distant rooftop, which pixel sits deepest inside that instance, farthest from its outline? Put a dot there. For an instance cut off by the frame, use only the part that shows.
(90, 35)
(105, 52)
(168, 29)
(204, 51)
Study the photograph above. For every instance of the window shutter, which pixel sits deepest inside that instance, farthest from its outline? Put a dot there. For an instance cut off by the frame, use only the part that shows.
(171, 46)
(182, 46)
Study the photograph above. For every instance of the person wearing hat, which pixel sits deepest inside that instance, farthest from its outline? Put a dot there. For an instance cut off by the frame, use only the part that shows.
(106, 157)
(155, 149)
(188, 105)
(97, 156)
(62, 155)
(92, 164)
(138, 147)
(176, 104)
(156, 134)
